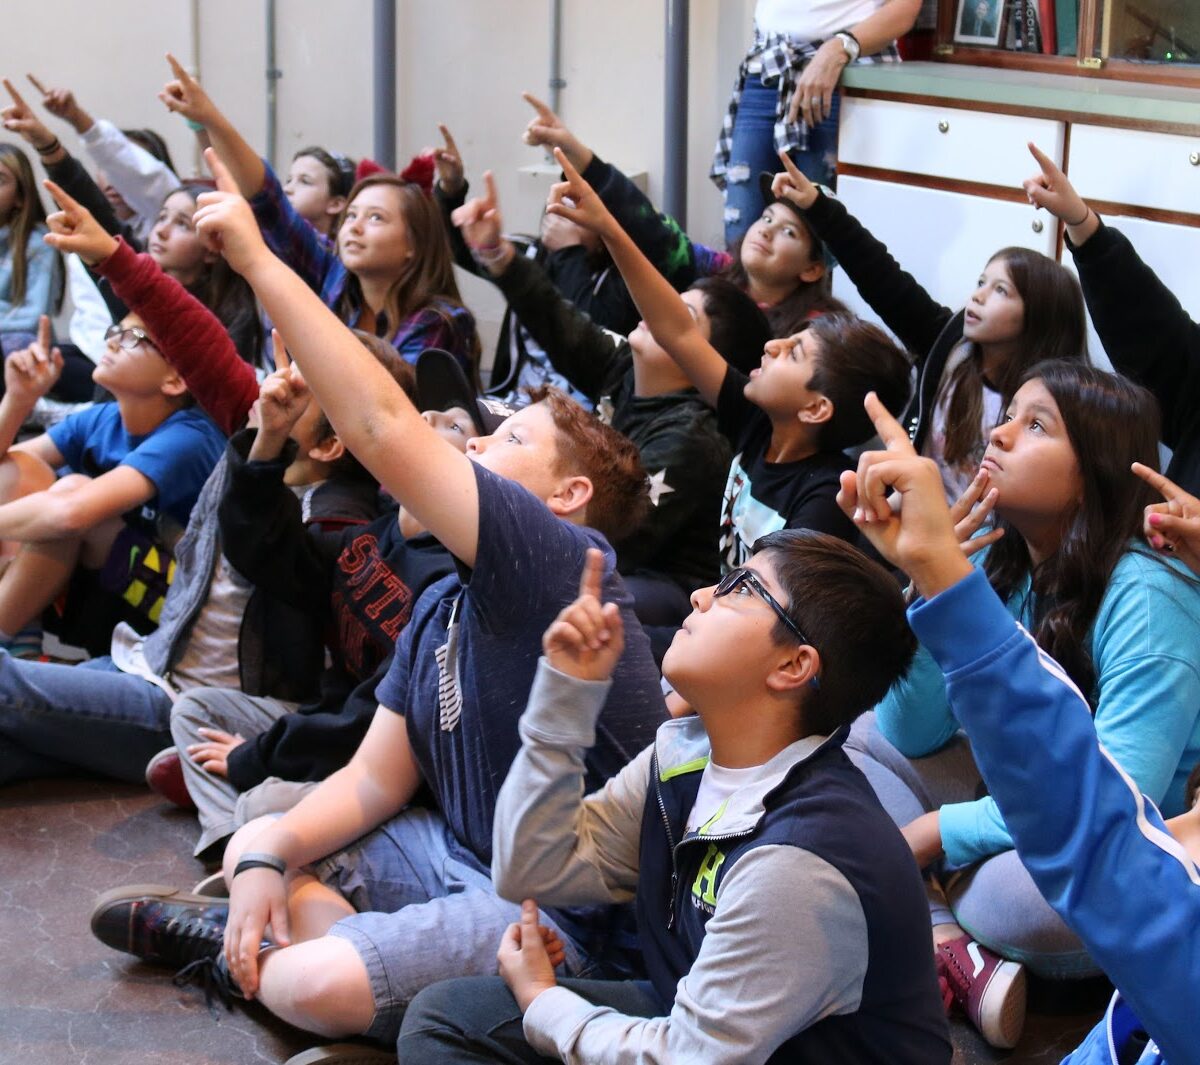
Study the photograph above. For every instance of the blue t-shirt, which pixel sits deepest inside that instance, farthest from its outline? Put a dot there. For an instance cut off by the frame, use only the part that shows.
(462, 690)
(176, 457)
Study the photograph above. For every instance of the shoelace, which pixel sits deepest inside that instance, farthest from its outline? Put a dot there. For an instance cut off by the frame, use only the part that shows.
(195, 936)
(215, 979)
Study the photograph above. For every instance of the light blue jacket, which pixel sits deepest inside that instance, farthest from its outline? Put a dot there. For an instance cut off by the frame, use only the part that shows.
(1145, 645)
(43, 282)
(1097, 848)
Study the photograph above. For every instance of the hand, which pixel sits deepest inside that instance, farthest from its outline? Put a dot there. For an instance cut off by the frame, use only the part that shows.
(1051, 189)
(30, 373)
(813, 98)
(451, 174)
(924, 838)
(528, 955)
(213, 755)
(969, 513)
(282, 397)
(576, 200)
(793, 185)
(479, 218)
(225, 222)
(914, 532)
(1173, 526)
(184, 96)
(547, 130)
(558, 233)
(586, 639)
(257, 899)
(73, 229)
(20, 119)
(61, 103)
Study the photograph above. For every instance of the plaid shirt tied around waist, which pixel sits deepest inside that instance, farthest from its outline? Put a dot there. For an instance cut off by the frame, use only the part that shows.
(776, 58)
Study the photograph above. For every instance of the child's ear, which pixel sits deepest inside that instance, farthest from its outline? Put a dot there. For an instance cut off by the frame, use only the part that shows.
(814, 271)
(335, 206)
(797, 667)
(571, 497)
(173, 385)
(328, 450)
(816, 411)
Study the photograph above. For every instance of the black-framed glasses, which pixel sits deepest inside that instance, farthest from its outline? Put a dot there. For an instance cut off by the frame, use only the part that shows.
(734, 578)
(127, 339)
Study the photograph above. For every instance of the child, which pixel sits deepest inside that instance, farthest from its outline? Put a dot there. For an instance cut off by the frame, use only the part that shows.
(30, 271)
(576, 263)
(777, 909)
(1124, 880)
(1124, 626)
(1025, 308)
(789, 421)
(391, 274)
(1143, 328)
(645, 395)
(317, 186)
(356, 873)
(780, 263)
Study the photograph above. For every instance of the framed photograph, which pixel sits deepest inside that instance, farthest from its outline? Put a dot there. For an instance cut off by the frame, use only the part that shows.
(979, 22)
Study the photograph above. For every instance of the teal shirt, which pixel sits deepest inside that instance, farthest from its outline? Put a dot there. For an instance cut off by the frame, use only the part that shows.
(1145, 647)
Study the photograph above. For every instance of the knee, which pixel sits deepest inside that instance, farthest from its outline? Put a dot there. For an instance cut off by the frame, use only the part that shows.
(326, 985)
(188, 713)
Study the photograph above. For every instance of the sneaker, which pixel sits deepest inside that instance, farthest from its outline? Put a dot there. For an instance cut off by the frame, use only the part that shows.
(343, 1054)
(212, 886)
(160, 925)
(164, 775)
(989, 988)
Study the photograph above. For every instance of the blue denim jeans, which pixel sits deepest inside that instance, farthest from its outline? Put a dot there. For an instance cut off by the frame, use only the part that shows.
(56, 719)
(753, 151)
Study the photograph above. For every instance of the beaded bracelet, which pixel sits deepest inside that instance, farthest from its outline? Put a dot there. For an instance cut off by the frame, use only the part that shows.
(260, 860)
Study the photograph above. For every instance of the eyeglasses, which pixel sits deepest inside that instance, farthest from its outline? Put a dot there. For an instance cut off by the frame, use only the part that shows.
(128, 339)
(735, 578)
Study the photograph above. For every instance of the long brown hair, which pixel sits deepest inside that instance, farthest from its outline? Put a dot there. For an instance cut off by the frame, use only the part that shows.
(1111, 423)
(428, 275)
(1054, 328)
(27, 214)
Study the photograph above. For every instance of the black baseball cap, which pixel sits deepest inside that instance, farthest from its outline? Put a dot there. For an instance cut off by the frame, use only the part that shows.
(441, 384)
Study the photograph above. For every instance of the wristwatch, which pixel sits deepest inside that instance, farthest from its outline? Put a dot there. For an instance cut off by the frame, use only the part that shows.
(850, 45)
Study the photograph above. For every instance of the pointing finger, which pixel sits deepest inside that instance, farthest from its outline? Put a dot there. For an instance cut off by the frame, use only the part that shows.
(37, 85)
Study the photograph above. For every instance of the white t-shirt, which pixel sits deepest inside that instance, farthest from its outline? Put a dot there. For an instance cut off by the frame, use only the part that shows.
(812, 20)
(716, 785)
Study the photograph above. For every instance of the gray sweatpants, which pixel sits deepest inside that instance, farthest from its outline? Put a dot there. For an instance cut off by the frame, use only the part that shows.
(230, 711)
(996, 900)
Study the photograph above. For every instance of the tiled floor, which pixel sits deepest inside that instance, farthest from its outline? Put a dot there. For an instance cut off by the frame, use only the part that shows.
(65, 999)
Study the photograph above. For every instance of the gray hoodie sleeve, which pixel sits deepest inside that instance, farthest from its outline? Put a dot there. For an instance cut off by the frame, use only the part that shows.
(549, 842)
(786, 947)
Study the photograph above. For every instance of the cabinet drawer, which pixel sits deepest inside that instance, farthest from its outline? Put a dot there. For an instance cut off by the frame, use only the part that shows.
(1130, 166)
(944, 141)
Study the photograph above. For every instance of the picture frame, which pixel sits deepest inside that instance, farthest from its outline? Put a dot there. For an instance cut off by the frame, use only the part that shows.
(979, 22)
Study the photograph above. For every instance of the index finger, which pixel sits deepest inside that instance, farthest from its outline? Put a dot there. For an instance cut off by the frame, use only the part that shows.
(224, 179)
(37, 85)
(282, 359)
(1168, 488)
(541, 108)
(490, 184)
(178, 71)
(16, 96)
(43, 333)
(1043, 160)
(61, 197)
(591, 580)
(573, 177)
(890, 431)
(793, 170)
(450, 145)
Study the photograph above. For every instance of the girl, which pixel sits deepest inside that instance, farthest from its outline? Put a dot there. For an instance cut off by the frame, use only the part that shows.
(1074, 568)
(317, 185)
(30, 271)
(391, 273)
(781, 262)
(1025, 308)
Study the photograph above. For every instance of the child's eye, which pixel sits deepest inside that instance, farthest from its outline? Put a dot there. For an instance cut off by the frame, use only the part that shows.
(1037, 426)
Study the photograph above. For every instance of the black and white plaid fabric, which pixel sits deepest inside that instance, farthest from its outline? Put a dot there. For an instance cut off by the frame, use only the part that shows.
(776, 59)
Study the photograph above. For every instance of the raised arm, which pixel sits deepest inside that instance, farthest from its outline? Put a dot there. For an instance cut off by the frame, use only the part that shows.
(370, 412)
(666, 315)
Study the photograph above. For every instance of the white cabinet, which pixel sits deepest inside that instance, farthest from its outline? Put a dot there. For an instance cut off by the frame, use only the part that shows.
(1136, 167)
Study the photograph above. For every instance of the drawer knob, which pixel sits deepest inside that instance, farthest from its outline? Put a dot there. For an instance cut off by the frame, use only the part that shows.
(1037, 225)
(1194, 158)
(944, 127)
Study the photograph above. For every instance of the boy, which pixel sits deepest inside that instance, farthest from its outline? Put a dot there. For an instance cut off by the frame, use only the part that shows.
(790, 420)
(779, 910)
(353, 879)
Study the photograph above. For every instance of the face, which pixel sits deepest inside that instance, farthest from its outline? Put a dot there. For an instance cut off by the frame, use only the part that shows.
(174, 244)
(373, 239)
(10, 194)
(307, 188)
(981, 8)
(122, 210)
(780, 385)
(1031, 462)
(524, 449)
(139, 371)
(454, 425)
(777, 249)
(995, 313)
(726, 642)
(647, 350)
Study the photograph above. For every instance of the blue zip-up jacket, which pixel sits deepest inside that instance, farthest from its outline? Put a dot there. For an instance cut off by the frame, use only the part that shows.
(1097, 848)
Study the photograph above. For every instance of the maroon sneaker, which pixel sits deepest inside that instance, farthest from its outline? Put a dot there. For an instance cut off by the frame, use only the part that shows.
(164, 774)
(989, 988)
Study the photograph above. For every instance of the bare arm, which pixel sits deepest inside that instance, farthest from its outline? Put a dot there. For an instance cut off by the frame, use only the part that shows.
(67, 512)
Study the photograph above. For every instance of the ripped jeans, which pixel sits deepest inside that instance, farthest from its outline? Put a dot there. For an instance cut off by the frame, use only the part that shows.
(753, 151)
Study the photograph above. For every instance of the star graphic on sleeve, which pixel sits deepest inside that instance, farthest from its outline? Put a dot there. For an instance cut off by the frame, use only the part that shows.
(658, 486)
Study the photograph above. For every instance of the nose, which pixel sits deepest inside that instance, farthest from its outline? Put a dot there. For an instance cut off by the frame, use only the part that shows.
(476, 445)
(701, 599)
(1001, 435)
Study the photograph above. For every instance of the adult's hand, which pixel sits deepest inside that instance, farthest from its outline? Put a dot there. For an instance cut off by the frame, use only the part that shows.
(813, 98)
